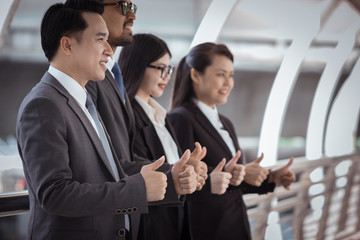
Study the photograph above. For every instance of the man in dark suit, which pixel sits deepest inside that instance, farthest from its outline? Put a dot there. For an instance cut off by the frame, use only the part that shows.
(77, 188)
(114, 106)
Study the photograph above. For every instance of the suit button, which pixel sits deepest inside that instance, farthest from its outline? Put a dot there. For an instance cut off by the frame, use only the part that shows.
(123, 211)
(135, 209)
(118, 211)
(121, 232)
(129, 210)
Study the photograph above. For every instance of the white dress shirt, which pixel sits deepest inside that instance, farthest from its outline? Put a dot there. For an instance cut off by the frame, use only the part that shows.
(213, 116)
(75, 90)
(110, 64)
(157, 114)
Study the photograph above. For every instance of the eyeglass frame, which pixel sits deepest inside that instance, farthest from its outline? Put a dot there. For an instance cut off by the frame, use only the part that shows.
(169, 70)
(126, 7)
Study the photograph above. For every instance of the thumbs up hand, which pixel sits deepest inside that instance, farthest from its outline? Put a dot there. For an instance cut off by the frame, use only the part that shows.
(199, 166)
(237, 170)
(155, 182)
(184, 176)
(283, 176)
(255, 174)
(219, 180)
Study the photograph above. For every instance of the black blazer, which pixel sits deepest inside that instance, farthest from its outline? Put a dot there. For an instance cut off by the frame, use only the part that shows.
(73, 194)
(162, 223)
(213, 216)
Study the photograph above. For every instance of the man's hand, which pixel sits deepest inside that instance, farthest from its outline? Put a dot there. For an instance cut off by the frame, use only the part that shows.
(219, 180)
(237, 170)
(184, 176)
(283, 176)
(155, 182)
(255, 174)
(199, 166)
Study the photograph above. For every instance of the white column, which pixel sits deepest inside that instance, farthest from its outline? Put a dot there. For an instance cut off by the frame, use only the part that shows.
(344, 117)
(317, 119)
(7, 11)
(213, 21)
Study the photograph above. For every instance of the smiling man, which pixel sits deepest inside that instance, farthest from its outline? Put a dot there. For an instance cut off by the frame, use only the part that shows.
(115, 109)
(77, 188)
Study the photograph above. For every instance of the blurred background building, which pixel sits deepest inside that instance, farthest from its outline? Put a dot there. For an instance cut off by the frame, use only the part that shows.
(297, 93)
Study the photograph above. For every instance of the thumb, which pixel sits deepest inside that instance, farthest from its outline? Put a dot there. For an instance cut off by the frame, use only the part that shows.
(220, 166)
(234, 160)
(286, 167)
(155, 165)
(197, 149)
(203, 153)
(259, 159)
(183, 160)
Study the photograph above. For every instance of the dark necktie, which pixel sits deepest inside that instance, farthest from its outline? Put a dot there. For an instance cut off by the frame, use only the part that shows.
(92, 110)
(119, 79)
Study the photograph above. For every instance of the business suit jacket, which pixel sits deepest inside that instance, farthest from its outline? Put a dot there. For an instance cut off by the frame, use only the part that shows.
(73, 193)
(162, 223)
(213, 216)
(119, 120)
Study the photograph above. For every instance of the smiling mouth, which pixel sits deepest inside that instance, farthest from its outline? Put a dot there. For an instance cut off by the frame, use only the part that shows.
(224, 91)
(128, 25)
(162, 86)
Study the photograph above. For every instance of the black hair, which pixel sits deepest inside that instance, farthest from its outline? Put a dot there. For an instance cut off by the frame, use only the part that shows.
(134, 58)
(199, 58)
(65, 19)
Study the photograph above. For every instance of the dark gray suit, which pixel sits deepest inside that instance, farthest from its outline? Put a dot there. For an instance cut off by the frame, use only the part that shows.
(73, 194)
(119, 120)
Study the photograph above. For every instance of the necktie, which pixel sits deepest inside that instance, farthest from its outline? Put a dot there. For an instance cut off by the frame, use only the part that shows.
(119, 79)
(92, 110)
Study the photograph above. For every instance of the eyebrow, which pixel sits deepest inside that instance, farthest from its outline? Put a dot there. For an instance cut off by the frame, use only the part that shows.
(223, 70)
(101, 34)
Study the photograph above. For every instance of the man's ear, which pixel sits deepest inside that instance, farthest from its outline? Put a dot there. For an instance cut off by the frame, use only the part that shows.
(66, 45)
(195, 76)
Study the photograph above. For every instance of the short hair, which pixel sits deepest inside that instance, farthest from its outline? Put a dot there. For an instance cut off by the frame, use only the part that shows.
(199, 58)
(65, 19)
(135, 57)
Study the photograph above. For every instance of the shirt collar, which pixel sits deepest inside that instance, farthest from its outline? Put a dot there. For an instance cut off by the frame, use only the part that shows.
(110, 64)
(70, 84)
(153, 109)
(211, 113)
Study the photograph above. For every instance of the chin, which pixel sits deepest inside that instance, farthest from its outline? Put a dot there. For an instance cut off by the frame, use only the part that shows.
(156, 95)
(99, 77)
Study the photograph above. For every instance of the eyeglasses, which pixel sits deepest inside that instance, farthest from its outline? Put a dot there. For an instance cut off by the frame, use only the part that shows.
(126, 7)
(165, 71)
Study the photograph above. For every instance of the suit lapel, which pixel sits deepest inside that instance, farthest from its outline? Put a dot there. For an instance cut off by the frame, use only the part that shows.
(152, 139)
(204, 121)
(111, 79)
(232, 133)
(128, 114)
(172, 133)
(50, 80)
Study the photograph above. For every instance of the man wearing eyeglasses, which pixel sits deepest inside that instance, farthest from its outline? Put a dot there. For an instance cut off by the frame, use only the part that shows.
(117, 114)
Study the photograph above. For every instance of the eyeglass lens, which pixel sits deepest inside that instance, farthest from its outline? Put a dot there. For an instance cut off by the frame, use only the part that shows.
(127, 7)
(165, 71)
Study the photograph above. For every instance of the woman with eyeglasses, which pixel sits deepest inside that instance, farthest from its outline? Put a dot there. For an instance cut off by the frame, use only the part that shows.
(145, 65)
(204, 80)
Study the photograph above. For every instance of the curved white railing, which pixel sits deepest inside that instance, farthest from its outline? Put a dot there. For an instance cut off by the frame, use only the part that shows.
(324, 202)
